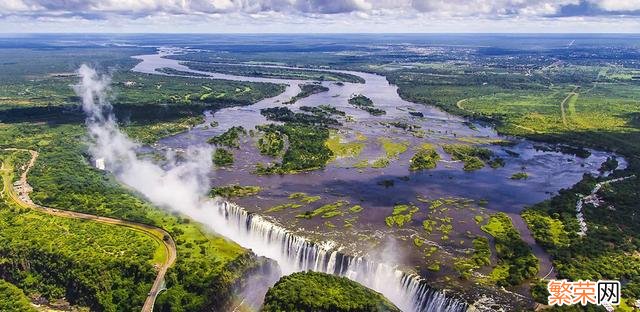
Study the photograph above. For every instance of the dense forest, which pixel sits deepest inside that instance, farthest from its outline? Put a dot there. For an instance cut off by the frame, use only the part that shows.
(54, 258)
(312, 291)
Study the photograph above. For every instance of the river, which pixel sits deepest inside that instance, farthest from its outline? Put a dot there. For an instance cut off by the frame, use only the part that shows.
(482, 191)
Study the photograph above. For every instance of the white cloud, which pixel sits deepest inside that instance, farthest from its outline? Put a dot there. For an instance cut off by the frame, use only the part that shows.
(318, 15)
(491, 7)
(617, 5)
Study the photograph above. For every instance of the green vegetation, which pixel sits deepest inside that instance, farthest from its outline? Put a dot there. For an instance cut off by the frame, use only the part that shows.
(608, 249)
(135, 89)
(548, 231)
(235, 190)
(464, 267)
(516, 262)
(311, 291)
(284, 114)
(306, 150)
(496, 163)
(107, 269)
(600, 114)
(609, 165)
(325, 211)
(43, 254)
(343, 149)
(380, 163)
(307, 90)
(519, 176)
(230, 138)
(434, 267)
(283, 207)
(473, 157)
(425, 158)
(401, 215)
(222, 157)
(393, 149)
(12, 299)
(304, 198)
(301, 199)
(323, 110)
(366, 104)
(273, 72)
(150, 133)
(481, 251)
(271, 143)
(539, 291)
(62, 178)
(306, 135)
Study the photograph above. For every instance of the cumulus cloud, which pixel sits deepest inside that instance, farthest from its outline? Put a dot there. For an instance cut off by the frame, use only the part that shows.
(317, 15)
(617, 5)
(437, 7)
(492, 7)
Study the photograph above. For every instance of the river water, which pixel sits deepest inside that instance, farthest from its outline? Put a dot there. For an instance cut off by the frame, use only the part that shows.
(548, 171)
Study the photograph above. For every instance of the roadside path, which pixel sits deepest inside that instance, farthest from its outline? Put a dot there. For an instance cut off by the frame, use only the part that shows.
(562, 104)
(594, 200)
(19, 193)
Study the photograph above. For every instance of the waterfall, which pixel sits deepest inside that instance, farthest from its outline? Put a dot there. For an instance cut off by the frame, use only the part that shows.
(295, 253)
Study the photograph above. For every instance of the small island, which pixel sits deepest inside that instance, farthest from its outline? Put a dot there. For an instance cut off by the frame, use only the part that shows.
(312, 291)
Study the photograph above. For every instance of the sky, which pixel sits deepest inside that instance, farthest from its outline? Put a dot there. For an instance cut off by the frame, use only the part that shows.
(320, 16)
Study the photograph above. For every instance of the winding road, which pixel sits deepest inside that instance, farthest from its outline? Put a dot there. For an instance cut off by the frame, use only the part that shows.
(19, 193)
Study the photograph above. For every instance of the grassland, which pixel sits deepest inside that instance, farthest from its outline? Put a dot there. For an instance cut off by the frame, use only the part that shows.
(340, 148)
(325, 211)
(600, 111)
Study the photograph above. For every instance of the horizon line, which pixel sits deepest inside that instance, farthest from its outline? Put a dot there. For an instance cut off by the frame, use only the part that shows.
(318, 33)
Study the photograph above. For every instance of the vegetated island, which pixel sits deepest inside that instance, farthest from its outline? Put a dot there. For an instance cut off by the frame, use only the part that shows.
(366, 104)
(307, 90)
(319, 292)
(274, 72)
